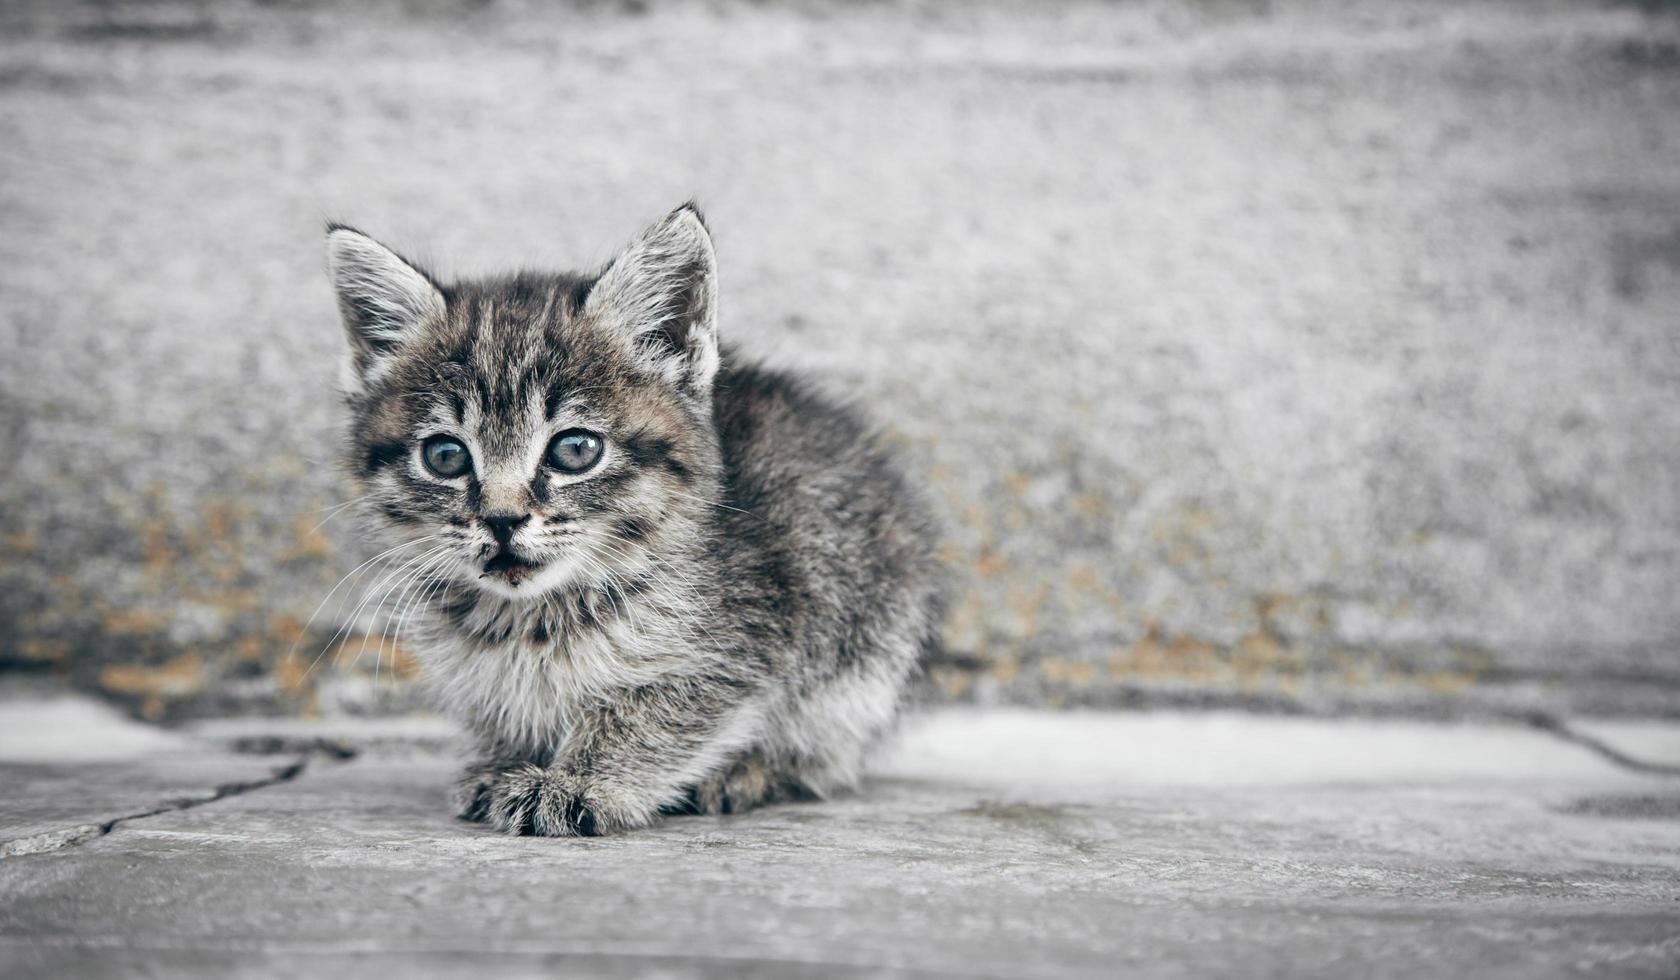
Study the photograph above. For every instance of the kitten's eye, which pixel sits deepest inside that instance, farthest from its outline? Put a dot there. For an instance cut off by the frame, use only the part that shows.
(574, 451)
(445, 456)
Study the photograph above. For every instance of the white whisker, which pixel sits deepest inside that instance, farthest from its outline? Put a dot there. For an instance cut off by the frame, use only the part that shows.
(354, 571)
(395, 584)
(419, 585)
(714, 503)
(350, 622)
(335, 511)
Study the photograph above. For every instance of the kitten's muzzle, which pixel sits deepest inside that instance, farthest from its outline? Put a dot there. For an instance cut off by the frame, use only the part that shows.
(510, 567)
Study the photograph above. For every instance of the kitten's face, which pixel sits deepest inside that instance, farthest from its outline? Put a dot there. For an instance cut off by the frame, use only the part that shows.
(530, 434)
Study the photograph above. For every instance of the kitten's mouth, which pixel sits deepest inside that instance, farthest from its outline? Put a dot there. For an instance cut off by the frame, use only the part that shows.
(510, 568)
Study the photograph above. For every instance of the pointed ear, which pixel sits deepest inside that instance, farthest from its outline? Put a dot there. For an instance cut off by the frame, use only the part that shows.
(385, 300)
(660, 294)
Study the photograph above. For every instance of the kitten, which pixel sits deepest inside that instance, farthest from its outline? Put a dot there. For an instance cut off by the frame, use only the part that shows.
(660, 579)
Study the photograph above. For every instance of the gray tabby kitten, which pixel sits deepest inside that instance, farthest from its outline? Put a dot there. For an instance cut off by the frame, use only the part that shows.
(659, 579)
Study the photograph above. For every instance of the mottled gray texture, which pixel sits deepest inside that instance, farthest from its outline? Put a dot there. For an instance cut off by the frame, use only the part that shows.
(1341, 849)
(1301, 354)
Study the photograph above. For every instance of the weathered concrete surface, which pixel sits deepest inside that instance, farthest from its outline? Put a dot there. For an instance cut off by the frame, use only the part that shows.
(1319, 355)
(990, 844)
(75, 770)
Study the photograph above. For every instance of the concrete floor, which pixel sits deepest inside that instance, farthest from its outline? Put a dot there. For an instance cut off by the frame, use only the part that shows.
(988, 844)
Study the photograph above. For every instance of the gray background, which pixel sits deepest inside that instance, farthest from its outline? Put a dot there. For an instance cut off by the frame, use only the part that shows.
(1307, 356)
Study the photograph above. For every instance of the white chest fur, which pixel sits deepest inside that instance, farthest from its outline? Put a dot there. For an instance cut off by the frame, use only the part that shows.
(522, 695)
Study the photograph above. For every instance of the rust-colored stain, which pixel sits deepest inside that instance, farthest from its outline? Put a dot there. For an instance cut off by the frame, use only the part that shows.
(1259, 655)
(1050, 617)
(1261, 659)
(128, 622)
(1445, 681)
(248, 647)
(1027, 604)
(229, 602)
(69, 595)
(1354, 670)
(219, 519)
(1268, 605)
(309, 540)
(292, 673)
(1183, 535)
(1279, 643)
(1091, 504)
(284, 629)
(371, 653)
(174, 678)
(42, 650)
(965, 623)
(1072, 673)
(953, 683)
(159, 556)
(1158, 656)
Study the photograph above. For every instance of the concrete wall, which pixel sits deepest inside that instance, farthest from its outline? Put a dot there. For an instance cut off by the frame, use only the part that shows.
(1319, 356)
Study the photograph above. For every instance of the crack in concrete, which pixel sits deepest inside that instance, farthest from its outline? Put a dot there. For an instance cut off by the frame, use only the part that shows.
(337, 749)
(1555, 726)
(57, 840)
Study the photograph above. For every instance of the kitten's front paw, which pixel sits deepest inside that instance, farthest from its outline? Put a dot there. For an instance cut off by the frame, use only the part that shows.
(471, 795)
(749, 783)
(524, 798)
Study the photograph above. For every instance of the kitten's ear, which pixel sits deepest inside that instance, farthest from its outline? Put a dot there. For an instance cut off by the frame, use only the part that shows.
(660, 293)
(385, 300)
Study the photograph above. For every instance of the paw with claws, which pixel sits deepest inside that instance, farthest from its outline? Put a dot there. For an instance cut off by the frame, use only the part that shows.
(748, 783)
(524, 798)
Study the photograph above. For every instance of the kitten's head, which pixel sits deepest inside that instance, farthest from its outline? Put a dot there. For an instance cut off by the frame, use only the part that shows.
(533, 432)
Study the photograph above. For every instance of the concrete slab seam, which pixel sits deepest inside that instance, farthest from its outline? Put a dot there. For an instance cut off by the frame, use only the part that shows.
(56, 840)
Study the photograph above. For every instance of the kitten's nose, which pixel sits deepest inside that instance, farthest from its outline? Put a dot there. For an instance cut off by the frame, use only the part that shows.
(502, 526)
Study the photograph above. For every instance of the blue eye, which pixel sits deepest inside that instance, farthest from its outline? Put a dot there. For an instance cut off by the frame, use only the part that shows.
(575, 450)
(445, 456)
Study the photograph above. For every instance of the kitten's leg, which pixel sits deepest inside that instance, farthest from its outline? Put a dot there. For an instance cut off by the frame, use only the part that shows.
(749, 782)
(471, 793)
(622, 763)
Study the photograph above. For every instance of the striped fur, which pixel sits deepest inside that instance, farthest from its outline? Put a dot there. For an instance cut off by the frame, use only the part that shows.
(724, 611)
